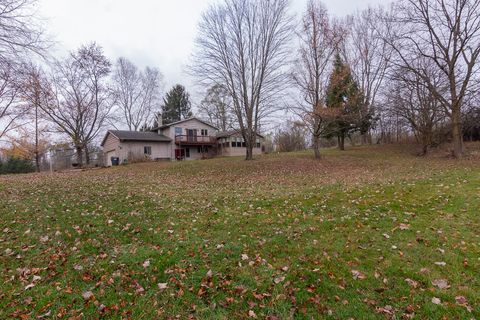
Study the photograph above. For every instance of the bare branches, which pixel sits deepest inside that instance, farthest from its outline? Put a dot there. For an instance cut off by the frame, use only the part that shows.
(9, 93)
(319, 39)
(20, 31)
(76, 97)
(136, 93)
(448, 35)
(243, 45)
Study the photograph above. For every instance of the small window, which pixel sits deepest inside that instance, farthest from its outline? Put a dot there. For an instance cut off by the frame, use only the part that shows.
(147, 150)
(178, 131)
(258, 145)
(204, 132)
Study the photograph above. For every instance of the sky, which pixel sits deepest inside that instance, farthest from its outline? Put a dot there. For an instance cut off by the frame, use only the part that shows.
(156, 33)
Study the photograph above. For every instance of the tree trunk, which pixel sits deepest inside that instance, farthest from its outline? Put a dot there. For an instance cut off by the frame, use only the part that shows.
(249, 155)
(37, 155)
(341, 142)
(457, 136)
(87, 156)
(79, 155)
(316, 147)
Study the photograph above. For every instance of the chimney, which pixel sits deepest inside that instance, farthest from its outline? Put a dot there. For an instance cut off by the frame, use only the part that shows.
(159, 120)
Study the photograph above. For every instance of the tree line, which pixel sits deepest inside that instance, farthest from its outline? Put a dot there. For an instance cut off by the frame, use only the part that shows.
(415, 61)
(411, 65)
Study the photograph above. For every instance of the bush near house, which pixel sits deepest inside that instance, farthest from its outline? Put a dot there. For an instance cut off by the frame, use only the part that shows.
(16, 165)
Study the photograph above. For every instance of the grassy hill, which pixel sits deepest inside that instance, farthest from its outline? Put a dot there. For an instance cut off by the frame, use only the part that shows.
(369, 233)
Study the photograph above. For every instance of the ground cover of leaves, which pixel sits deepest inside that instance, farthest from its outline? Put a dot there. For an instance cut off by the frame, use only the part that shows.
(370, 233)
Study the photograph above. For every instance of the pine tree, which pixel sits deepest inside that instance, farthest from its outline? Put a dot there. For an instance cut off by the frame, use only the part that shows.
(345, 97)
(176, 105)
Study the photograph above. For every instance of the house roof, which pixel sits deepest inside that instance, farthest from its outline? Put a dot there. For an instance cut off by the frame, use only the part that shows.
(229, 133)
(136, 136)
(185, 120)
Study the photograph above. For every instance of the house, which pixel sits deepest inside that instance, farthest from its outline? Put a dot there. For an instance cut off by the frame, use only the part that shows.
(187, 139)
(231, 144)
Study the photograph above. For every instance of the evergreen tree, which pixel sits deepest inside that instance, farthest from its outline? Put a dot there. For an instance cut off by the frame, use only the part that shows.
(345, 97)
(176, 105)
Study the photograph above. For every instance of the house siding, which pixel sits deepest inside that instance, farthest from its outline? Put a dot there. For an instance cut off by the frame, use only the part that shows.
(237, 151)
(193, 124)
(133, 150)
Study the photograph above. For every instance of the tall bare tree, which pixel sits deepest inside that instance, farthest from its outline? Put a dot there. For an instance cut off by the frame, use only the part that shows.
(20, 31)
(319, 40)
(243, 45)
(216, 107)
(447, 33)
(9, 113)
(368, 54)
(31, 84)
(78, 100)
(409, 98)
(137, 93)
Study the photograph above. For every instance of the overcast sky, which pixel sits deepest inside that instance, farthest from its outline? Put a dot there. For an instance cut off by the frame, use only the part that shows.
(158, 33)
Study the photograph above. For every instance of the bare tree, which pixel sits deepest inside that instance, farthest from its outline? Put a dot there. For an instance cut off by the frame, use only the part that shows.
(9, 113)
(368, 54)
(30, 84)
(408, 97)
(243, 45)
(447, 33)
(216, 107)
(292, 137)
(20, 30)
(137, 93)
(77, 99)
(319, 39)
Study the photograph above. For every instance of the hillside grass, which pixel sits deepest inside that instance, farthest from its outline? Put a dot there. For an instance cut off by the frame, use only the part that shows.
(355, 235)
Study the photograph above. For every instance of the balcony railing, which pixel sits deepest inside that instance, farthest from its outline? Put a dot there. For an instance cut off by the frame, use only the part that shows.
(195, 140)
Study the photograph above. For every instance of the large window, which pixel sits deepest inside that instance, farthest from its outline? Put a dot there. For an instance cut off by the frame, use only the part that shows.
(178, 131)
(147, 150)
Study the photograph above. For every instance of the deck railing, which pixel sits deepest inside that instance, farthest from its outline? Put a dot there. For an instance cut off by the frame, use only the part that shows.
(197, 140)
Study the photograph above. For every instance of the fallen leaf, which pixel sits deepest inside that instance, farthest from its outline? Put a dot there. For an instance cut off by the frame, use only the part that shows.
(440, 283)
(279, 279)
(162, 286)
(357, 275)
(87, 295)
(436, 300)
(411, 283)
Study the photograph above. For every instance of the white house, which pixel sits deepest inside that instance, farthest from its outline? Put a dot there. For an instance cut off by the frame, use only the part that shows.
(188, 139)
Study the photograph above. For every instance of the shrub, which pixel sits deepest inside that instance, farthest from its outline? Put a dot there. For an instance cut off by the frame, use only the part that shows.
(16, 165)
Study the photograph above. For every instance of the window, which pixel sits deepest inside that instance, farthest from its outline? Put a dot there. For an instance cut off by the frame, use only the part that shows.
(204, 132)
(178, 131)
(187, 152)
(258, 145)
(147, 150)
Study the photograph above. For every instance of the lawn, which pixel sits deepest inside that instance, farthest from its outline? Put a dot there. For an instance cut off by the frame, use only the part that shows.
(369, 233)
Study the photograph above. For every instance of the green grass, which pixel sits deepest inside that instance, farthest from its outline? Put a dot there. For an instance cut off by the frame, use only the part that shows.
(281, 236)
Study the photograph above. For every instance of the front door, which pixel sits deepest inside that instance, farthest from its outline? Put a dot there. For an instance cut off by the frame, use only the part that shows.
(191, 135)
(179, 154)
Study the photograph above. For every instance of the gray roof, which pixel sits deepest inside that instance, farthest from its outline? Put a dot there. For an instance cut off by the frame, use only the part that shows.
(225, 134)
(137, 136)
(185, 120)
